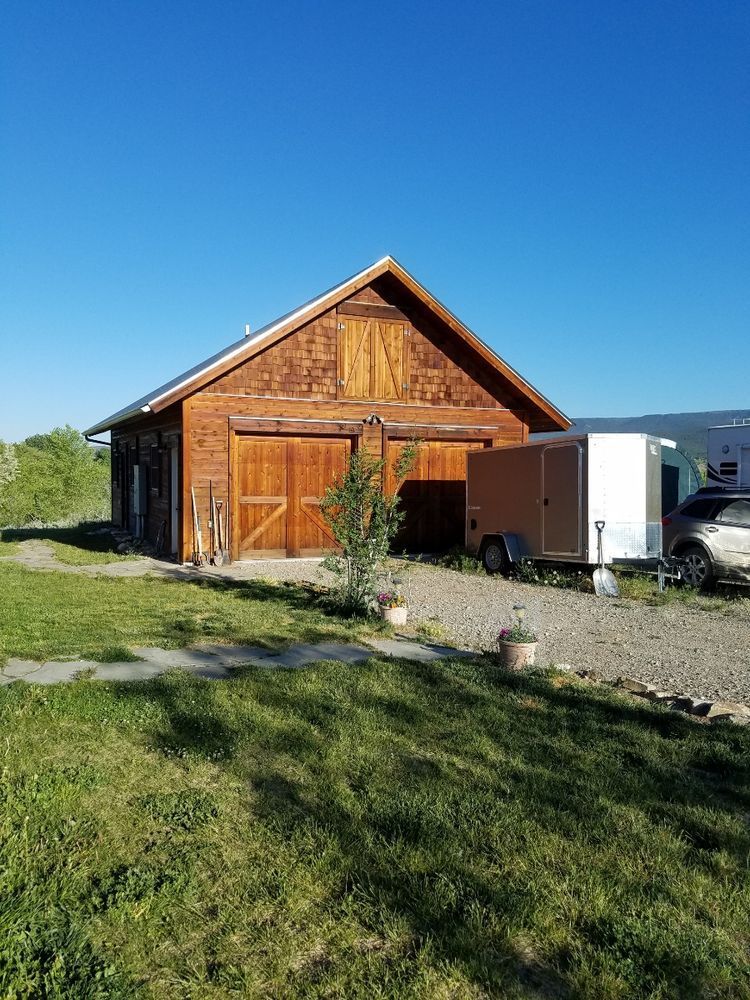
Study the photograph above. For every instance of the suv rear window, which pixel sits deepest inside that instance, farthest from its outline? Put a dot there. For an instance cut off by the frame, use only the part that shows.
(700, 509)
(735, 512)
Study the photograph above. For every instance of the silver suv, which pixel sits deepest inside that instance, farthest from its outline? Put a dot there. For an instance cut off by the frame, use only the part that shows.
(710, 531)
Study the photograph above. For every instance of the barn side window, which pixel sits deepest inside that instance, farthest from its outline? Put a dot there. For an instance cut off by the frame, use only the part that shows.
(155, 469)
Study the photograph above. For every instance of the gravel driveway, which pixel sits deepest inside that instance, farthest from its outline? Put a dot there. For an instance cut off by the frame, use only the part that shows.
(679, 648)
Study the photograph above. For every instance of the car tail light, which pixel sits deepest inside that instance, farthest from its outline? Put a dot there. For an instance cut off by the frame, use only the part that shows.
(666, 521)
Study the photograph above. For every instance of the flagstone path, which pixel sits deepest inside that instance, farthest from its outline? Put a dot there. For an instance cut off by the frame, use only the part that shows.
(216, 662)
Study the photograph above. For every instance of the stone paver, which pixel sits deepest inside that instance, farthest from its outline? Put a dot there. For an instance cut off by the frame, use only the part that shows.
(424, 652)
(237, 654)
(19, 668)
(129, 671)
(302, 654)
(216, 662)
(57, 672)
(188, 657)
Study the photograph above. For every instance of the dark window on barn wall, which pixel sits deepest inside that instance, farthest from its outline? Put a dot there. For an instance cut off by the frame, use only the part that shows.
(155, 469)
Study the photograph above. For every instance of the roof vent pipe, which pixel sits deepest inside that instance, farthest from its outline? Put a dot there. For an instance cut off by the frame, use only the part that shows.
(247, 329)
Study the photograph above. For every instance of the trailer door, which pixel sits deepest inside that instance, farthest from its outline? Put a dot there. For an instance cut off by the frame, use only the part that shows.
(561, 500)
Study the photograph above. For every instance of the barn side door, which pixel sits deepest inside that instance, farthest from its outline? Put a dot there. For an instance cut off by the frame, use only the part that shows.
(279, 484)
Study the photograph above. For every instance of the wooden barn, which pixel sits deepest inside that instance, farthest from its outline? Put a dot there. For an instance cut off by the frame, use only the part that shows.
(268, 422)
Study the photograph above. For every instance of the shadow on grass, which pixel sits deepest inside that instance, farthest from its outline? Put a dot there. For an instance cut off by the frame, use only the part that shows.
(434, 779)
(91, 536)
(316, 615)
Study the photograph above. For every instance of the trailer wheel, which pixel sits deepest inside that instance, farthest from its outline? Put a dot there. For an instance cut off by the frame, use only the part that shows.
(495, 558)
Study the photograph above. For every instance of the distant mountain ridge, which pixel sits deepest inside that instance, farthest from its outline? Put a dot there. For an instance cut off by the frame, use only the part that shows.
(689, 430)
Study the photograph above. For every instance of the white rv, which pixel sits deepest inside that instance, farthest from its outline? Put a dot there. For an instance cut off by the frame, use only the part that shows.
(729, 456)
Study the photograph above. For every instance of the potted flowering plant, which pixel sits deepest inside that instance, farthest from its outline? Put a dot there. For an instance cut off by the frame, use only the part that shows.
(392, 606)
(516, 646)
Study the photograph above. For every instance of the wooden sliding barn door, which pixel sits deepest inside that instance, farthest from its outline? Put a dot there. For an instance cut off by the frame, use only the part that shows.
(317, 461)
(262, 478)
(433, 497)
(280, 482)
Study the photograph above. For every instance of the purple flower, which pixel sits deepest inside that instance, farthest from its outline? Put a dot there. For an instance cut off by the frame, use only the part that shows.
(504, 633)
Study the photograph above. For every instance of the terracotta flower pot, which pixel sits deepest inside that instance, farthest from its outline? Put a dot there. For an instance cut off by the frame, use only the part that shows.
(396, 616)
(516, 655)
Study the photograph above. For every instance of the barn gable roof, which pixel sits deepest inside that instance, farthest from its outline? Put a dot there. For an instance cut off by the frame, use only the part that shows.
(543, 416)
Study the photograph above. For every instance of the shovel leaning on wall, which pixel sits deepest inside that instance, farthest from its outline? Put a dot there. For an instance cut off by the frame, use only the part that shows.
(605, 584)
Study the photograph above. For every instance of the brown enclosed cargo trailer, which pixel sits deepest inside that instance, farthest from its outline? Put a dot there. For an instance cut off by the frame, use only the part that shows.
(541, 500)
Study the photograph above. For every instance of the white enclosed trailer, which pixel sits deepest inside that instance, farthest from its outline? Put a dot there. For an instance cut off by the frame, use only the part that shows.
(542, 500)
(729, 456)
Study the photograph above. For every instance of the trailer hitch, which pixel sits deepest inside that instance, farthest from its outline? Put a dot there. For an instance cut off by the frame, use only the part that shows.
(669, 568)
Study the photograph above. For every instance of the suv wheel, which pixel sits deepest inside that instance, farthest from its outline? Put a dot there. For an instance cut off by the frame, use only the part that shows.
(697, 570)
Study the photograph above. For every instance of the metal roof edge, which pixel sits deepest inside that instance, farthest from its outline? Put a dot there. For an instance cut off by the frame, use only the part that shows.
(117, 418)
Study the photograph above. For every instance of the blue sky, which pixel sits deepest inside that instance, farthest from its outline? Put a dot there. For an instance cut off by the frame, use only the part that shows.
(570, 178)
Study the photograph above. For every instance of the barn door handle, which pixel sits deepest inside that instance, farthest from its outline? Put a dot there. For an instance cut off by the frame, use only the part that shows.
(546, 501)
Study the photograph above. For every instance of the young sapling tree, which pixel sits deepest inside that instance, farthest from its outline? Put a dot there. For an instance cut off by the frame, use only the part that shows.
(364, 519)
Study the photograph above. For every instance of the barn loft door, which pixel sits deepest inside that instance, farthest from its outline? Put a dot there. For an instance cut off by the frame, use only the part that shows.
(433, 497)
(281, 481)
(371, 359)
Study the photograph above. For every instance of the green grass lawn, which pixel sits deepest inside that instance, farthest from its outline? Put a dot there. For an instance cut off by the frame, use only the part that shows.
(384, 830)
(72, 554)
(46, 614)
(8, 548)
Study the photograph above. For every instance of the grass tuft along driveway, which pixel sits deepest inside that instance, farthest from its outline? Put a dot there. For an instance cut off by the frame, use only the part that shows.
(385, 830)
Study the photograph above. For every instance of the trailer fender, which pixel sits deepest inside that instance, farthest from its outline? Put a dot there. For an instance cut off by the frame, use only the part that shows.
(499, 551)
